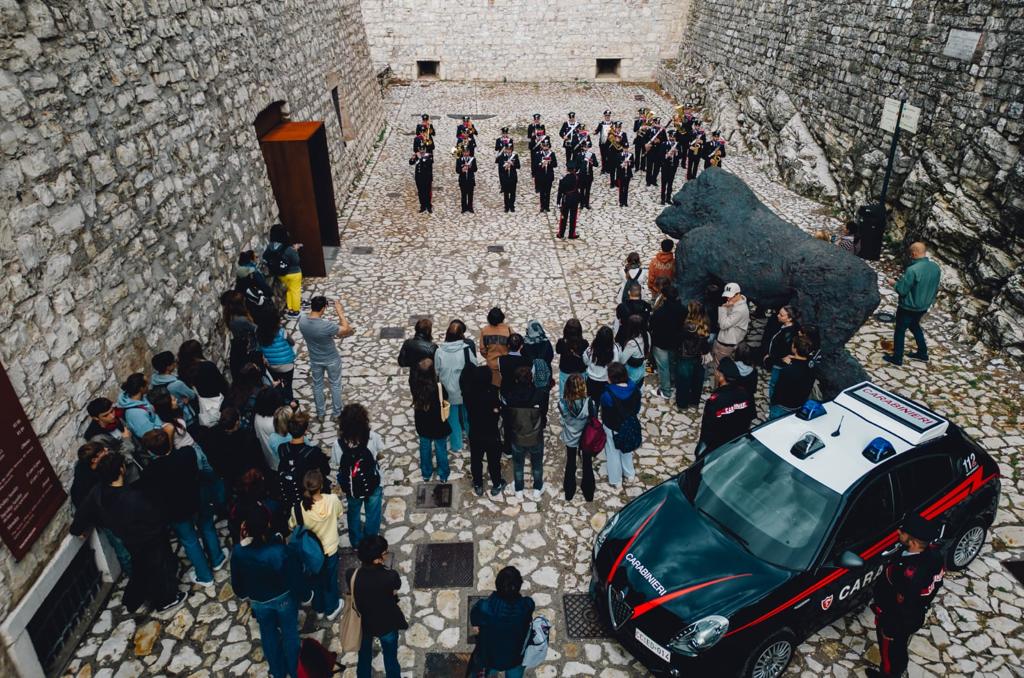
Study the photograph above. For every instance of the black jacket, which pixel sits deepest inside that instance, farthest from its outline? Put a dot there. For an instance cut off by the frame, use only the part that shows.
(172, 483)
(504, 625)
(428, 422)
(132, 516)
(484, 407)
(794, 385)
(692, 344)
(232, 453)
(667, 325)
(569, 361)
(466, 169)
(634, 307)
(295, 460)
(524, 408)
(779, 344)
(376, 598)
(507, 366)
(905, 590)
(727, 414)
(568, 191)
(83, 483)
(414, 350)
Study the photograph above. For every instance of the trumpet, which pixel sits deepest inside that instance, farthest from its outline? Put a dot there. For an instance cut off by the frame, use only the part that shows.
(716, 157)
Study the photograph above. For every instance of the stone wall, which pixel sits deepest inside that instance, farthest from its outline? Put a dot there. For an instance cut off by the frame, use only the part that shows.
(523, 40)
(801, 84)
(131, 176)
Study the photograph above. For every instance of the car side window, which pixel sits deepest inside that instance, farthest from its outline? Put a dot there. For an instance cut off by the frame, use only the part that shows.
(922, 480)
(872, 512)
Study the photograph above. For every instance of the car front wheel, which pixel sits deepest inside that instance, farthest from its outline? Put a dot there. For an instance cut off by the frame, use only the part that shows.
(771, 656)
(966, 546)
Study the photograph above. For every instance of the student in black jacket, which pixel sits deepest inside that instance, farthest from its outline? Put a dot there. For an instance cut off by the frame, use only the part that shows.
(375, 593)
(297, 457)
(481, 398)
(140, 524)
(666, 334)
(777, 343)
(796, 379)
(728, 412)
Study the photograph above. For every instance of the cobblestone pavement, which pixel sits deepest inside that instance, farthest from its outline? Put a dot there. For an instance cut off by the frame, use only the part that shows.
(439, 265)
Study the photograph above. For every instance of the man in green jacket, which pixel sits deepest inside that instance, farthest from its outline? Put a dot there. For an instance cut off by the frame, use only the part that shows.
(917, 288)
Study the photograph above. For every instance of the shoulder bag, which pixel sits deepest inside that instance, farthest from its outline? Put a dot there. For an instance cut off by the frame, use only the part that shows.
(351, 633)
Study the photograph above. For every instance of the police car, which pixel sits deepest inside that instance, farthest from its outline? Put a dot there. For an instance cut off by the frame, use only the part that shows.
(725, 568)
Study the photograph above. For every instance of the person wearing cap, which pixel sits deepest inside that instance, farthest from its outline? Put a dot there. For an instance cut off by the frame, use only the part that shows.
(424, 139)
(694, 144)
(601, 132)
(714, 150)
(641, 130)
(422, 162)
(569, 129)
(466, 133)
(654, 150)
(547, 161)
(465, 168)
(533, 132)
(728, 411)
(577, 142)
(508, 175)
(568, 200)
(733, 322)
(425, 126)
(624, 174)
(903, 593)
(615, 153)
(504, 141)
(672, 151)
(796, 379)
(585, 164)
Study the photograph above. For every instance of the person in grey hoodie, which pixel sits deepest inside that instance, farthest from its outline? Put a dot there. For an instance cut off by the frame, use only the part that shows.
(139, 415)
(733, 322)
(574, 408)
(164, 364)
(451, 357)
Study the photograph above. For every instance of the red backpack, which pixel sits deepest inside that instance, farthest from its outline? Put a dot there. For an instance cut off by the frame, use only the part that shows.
(593, 438)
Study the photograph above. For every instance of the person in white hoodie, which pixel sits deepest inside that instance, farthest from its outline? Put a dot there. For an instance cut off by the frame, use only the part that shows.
(451, 357)
(733, 322)
(320, 515)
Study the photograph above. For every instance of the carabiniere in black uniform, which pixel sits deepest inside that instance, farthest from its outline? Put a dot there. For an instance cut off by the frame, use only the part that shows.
(508, 176)
(423, 170)
(465, 167)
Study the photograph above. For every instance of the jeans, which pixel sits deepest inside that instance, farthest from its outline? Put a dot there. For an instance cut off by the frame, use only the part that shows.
(120, 550)
(325, 586)
(293, 290)
(689, 380)
(908, 320)
(356, 529)
(189, 538)
(587, 482)
(426, 461)
(279, 631)
(773, 379)
(666, 363)
(618, 464)
(776, 411)
(388, 647)
(536, 453)
(459, 421)
(316, 373)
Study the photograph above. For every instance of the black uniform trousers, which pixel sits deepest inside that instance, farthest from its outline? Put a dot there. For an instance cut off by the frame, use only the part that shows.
(640, 155)
(604, 149)
(508, 192)
(668, 176)
(655, 157)
(423, 191)
(613, 167)
(544, 188)
(623, 182)
(570, 209)
(466, 186)
(586, 183)
(892, 646)
(692, 164)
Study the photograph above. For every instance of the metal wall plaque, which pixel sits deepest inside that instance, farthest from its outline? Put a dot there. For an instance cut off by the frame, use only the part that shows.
(30, 492)
(961, 44)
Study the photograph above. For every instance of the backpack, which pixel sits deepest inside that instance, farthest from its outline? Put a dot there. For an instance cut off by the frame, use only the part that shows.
(306, 547)
(466, 376)
(628, 437)
(209, 410)
(316, 661)
(535, 650)
(541, 373)
(275, 261)
(625, 284)
(593, 439)
(363, 472)
(290, 470)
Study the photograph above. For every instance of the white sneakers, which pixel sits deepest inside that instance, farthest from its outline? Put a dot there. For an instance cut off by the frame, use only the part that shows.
(538, 494)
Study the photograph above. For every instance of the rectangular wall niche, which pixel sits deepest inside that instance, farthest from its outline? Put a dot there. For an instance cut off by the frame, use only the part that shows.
(608, 69)
(428, 70)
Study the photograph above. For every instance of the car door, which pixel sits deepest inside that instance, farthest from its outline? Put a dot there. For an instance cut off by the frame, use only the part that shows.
(867, 529)
(922, 482)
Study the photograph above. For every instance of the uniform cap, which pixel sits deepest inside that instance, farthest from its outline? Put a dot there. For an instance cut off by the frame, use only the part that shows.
(536, 116)
(424, 116)
(920, 528)
(731, 290)
(728, 369)
(607, 112)
(504, 129)
(716, 133)
(572, 114)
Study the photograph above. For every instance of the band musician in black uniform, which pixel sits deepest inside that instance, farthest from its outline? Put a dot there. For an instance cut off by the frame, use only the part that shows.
(714, 150)
(903, 593)
(569, 129)
(640, 131)
(533, 133)
(547, 161)
(694, 150)
(465, 167)
(466, 133)
(508, 175)
(623, 175)
(618, 143)
(577, 142)
(503, 141)
(653, 149)
(671, 152)
(568, 199)
(423, 172)
(425, 126)
(586, 162)
(601, 134)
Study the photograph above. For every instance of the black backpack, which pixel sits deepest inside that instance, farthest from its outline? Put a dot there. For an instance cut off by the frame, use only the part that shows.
(275, 261)
(290, 470)
(361, 471)
(466, 376)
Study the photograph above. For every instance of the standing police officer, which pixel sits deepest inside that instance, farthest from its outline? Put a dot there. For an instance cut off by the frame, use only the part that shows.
(465, 167)
(904, 592)
(728, 411)
(547, 161)
(423, 170)
(508, 176)
(568, 200)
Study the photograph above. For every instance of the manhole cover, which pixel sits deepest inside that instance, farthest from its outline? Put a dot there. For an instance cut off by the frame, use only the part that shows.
(448, 664)
(413, 319)
(1016, 568)
(495, 248)
(581, 617)
(392, 333)
(433, 495)
(348, 560)
(444, 565)
(362, 249)
(471, 636)
(640, 97)
(885, 317)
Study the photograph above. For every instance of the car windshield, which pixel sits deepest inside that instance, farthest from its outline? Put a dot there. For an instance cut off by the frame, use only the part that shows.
(772, 509)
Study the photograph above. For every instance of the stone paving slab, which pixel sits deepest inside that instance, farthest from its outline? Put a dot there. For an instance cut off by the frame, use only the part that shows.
(439, 264)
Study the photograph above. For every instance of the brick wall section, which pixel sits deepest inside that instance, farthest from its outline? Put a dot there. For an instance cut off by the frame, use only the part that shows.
(131, 176)
(959, 182)
(523, 40)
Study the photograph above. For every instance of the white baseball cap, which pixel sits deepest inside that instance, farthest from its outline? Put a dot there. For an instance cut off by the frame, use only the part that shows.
(731, 290)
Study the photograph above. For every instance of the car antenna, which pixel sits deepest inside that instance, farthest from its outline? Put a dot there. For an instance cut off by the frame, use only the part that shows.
(835, 434)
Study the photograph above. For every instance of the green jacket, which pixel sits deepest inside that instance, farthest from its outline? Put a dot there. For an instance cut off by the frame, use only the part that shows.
(918, 285)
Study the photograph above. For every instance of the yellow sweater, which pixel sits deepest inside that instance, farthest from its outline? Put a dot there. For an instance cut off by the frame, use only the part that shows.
(322, 520)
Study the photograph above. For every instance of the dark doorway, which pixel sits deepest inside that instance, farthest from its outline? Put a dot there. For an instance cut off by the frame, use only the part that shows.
(428, 70)
(608, 69)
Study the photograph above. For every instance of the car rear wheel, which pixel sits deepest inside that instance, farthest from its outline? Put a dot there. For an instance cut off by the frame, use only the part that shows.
(771, 656)
(966, 546)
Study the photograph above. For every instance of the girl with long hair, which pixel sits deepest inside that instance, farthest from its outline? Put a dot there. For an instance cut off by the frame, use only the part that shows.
(574, 408)
(433, 430)
(320, 514)
(356, 453)
(601, 353)
(279, 353)
(635, 346)
(570, 350)
(692, 347)
(242, 327)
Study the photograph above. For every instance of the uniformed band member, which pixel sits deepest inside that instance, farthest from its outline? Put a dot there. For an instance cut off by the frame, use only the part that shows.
(508, 175)
(533, 133)
(466, 133)
(568, 199)
(424, 138)
(569, 129)
(728, 411)
(653, 149)
(617, 143)
(671, 152)
(601, 133)
(425, 126)
(547, 161)
(623, 175)
(640, 129)
(423, 172)
(504, 140)
(714, 150)
(586, 163)
(577, 142)
(694, 150)
(465, 167)
(903, 593)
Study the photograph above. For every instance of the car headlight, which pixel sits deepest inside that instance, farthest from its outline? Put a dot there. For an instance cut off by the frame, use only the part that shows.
(603, 534)
(700, 635)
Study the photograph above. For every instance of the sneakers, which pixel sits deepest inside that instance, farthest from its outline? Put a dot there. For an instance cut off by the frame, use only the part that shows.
(223, 562)
(292, 314)
(334, 615)
(309, 600)
(190, 577)
(478, 490)
(918, 356)
(891, 360)
(499, 488)
(538, 495)
(519, 495)
(178, 600)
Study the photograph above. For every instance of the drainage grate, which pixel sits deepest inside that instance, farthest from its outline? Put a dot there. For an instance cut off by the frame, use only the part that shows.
(394, 195)
(362, 249)
(347, 560)
(495, 248)
(470, 636)
(392, 333)
(640, 97)
(446, 664)
(446, 565)
(582, 619)
(433, 495)
(1016, 568)
(68, 611)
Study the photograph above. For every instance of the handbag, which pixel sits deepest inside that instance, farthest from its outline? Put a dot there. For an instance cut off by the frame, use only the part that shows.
(593, 438)
(351, 621)
(446, 407)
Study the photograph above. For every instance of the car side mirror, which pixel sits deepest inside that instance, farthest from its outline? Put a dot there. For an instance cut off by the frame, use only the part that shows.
(850, 560)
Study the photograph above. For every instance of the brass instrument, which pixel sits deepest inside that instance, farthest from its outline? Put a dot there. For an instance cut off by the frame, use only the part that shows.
(716, 156)
(615, 140)
(457, 149)
(695, 146)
